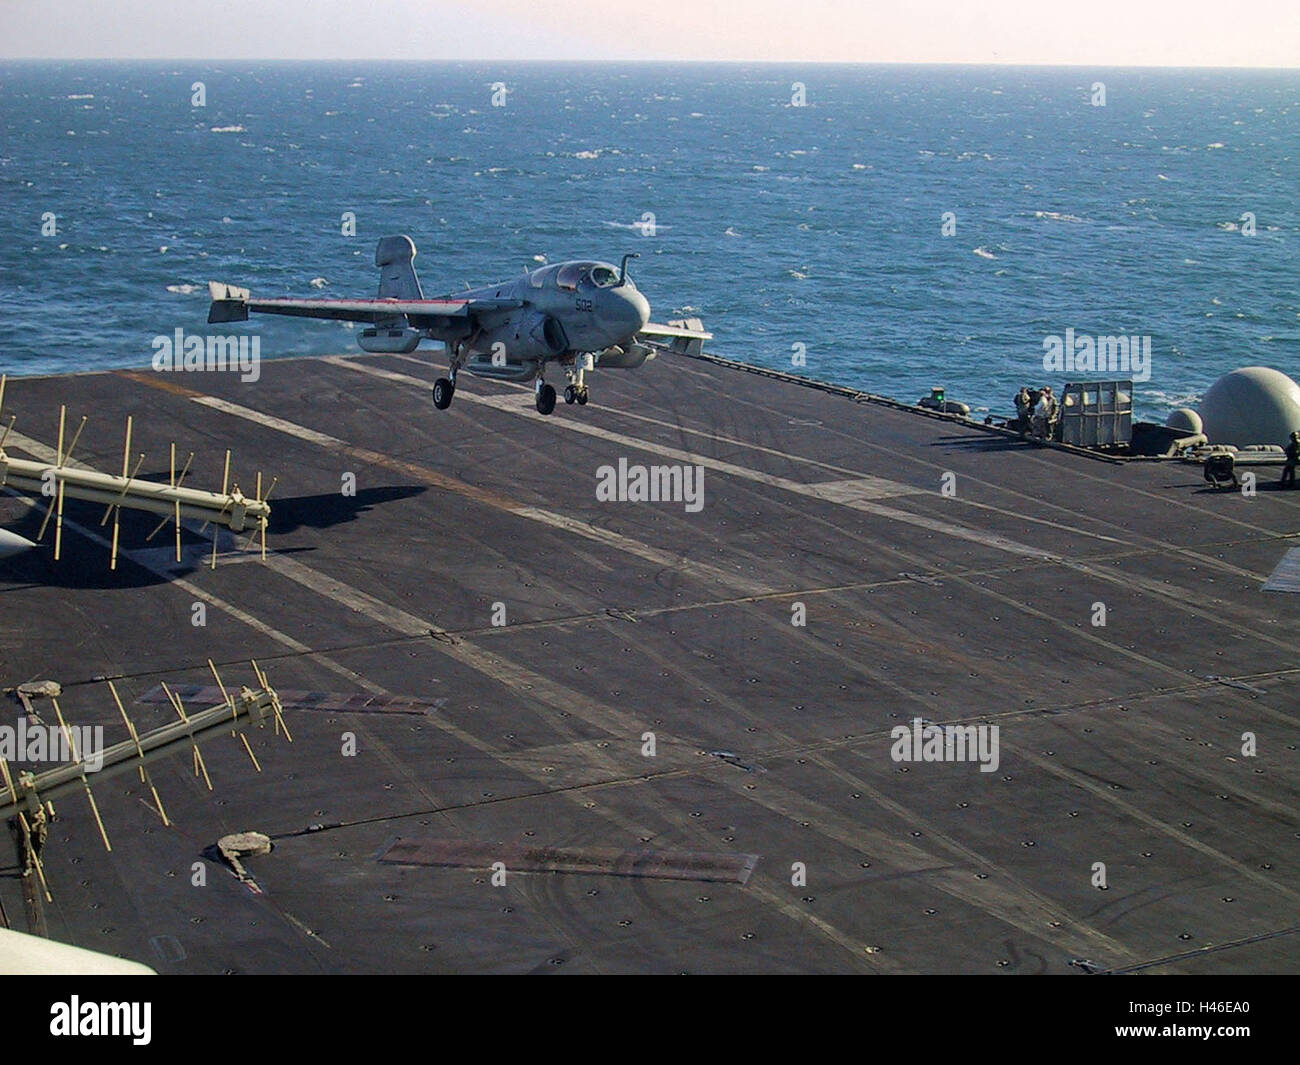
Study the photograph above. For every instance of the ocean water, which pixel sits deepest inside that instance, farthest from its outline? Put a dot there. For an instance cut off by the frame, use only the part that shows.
(780, 225)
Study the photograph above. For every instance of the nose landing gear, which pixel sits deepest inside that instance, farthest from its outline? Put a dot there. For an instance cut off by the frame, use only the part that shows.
(576, 391)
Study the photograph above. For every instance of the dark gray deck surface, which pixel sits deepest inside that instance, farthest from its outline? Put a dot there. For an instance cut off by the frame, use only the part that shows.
(628, 618)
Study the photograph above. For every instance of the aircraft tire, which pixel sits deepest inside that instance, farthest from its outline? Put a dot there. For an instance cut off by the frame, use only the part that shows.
(570, 394)
(582, 398)
(443, 390)
(545, 399)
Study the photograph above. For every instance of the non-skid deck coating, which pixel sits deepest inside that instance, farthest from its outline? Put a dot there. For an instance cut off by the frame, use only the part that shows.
(1119, 744)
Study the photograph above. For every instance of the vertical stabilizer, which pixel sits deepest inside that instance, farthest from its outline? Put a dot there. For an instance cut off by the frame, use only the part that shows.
(395, 258)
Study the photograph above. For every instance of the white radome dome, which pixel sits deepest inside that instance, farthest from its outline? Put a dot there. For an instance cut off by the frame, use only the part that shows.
(1253, 405)
(1185, 420)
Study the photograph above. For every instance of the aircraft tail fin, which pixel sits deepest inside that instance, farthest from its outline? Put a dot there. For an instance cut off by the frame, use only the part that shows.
(395, 258)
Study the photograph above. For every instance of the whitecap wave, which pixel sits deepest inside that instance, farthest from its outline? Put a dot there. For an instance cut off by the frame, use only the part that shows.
(640, 227)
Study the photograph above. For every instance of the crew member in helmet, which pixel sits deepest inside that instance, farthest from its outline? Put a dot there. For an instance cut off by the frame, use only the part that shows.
(1044, 409)
(1022, 410)
(1292, 460)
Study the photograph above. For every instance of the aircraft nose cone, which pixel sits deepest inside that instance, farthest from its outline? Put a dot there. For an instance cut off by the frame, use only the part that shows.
(634, 311)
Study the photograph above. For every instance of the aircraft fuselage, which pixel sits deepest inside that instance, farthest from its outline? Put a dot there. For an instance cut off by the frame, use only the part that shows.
(555, 312)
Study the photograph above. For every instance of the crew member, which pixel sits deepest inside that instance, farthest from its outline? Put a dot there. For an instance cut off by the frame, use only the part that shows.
(1292, 460)
(1043, 414)
(1022, 410)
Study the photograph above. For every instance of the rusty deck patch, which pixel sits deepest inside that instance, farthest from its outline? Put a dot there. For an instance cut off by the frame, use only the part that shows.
(599, 861)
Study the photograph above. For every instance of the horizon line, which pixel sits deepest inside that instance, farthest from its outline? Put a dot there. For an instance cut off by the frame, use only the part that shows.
(641, 61)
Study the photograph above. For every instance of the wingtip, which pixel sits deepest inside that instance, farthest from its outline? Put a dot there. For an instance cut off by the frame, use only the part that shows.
(219, 290)
(229, 303)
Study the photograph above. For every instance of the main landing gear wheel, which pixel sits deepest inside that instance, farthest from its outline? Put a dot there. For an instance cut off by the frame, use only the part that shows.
(545, 399)
(443, 390)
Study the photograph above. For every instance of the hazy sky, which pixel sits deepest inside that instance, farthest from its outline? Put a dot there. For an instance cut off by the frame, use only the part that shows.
(1088, 32)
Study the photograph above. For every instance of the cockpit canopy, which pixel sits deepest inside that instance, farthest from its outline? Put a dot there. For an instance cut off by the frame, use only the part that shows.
(570, 276)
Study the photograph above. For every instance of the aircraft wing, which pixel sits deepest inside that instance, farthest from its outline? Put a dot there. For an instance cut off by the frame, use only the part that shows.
(653, 329)
(685, 337)
(233, 304)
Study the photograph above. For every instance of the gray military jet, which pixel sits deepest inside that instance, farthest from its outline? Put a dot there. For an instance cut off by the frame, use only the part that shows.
(581, 315)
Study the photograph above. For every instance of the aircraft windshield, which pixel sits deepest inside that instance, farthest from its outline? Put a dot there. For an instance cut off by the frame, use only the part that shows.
(570, 274)
(540, 277)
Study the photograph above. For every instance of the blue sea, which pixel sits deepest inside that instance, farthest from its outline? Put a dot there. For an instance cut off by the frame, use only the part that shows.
(779, 225)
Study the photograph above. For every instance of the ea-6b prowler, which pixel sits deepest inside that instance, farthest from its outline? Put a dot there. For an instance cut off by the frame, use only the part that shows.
(581, 315)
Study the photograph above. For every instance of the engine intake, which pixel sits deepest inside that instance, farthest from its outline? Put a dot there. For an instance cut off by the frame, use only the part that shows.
(533, 336)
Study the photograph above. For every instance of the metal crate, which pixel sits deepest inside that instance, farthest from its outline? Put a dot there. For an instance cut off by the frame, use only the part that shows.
(1097, 413)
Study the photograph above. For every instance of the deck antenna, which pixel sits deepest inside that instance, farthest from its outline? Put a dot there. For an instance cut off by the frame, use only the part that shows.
(172, 500)
(27, 798)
